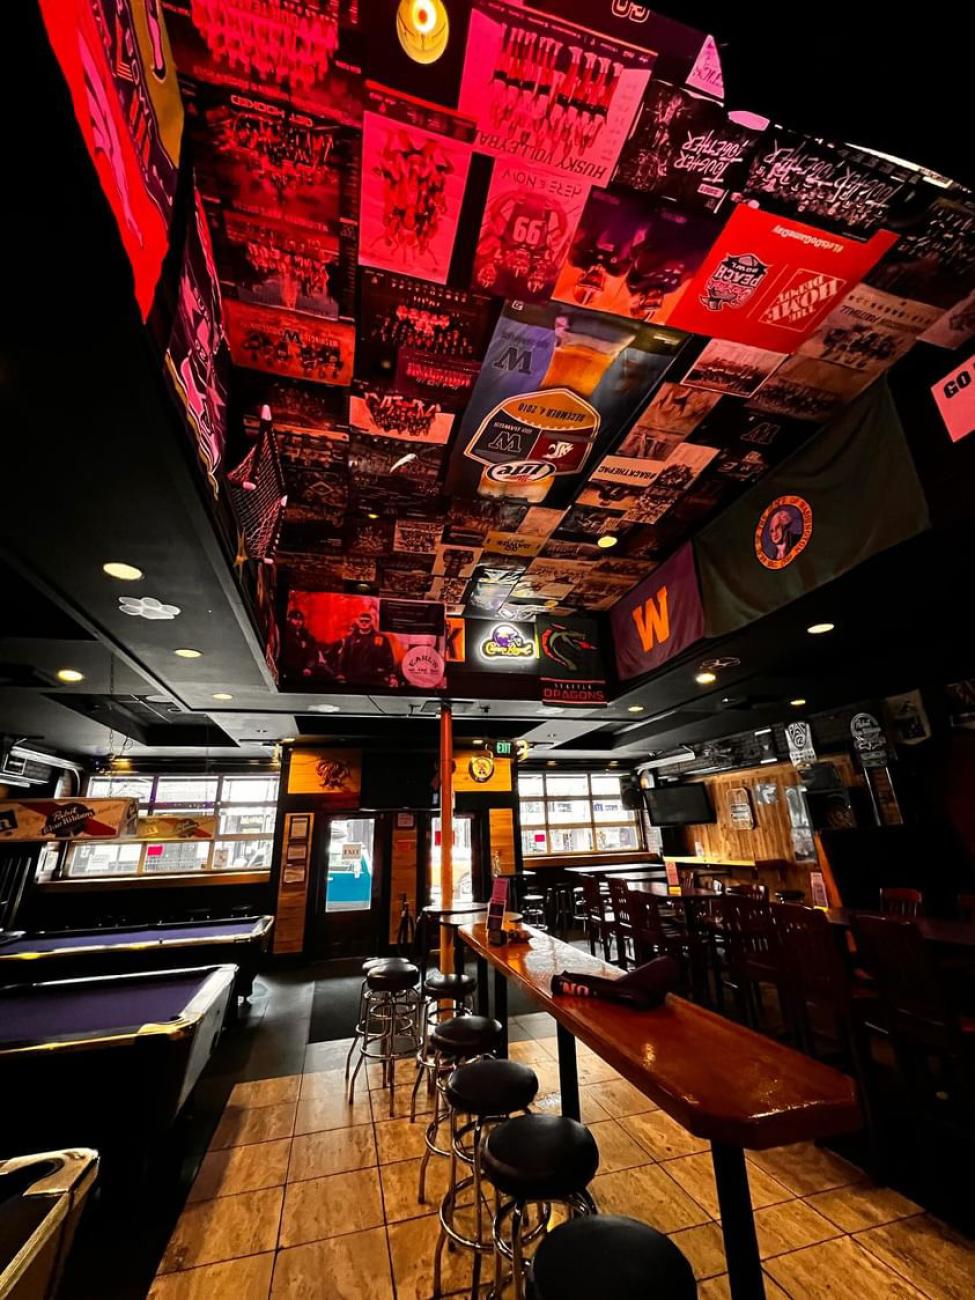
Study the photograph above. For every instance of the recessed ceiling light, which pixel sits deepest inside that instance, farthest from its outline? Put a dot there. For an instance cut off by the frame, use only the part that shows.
(185, 653)
(124, 572)
(705, 679)
(606, 541)
(551, 763)
(614, 762)
(286, 740)
(324, 708)
(147, 607)
(816, 629)
(797, 704)
(222, 695)
(69, 675)
(635, 708)
(371, 514)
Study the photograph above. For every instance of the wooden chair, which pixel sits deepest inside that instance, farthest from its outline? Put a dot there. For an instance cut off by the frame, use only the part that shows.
(599, 928)
(901, 902)
(753, 957)
(652, 936)
(620, 904)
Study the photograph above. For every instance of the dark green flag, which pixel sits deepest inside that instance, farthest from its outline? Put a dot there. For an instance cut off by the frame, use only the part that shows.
(850, 492)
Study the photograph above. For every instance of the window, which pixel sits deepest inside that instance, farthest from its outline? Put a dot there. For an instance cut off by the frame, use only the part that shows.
(244, 807)
(577, 813)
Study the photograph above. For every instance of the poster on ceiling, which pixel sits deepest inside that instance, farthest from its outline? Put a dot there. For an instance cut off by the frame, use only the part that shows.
(955, 399)
(955, 327)
(633, 258)
(570, 661)
(364, 641)
(933, 260)
(116, 59)
(290, 343)
(839, 188)
(869, 330)
(388, 414)
(676, 409)
(263, 157)
(530, 216)
(809, 389)
(197, 360)
(768, 281)
(415, 160)
(687, 148)
(659, 618)
(300, 52)
(549, 93)
(849, 493)
(736, 368)
(672, 479)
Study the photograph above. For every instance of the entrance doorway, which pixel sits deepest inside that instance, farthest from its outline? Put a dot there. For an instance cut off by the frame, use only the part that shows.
(465, 859)
(350, 887)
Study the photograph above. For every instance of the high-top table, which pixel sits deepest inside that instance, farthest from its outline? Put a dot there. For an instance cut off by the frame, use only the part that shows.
(721, 1081)
(933, 929)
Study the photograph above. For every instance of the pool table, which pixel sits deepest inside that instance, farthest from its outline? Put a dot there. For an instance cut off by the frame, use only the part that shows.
(41, 1200)
(63, 954)
(106, 1062)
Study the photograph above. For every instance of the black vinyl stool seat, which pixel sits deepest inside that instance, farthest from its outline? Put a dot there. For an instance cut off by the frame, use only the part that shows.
(609, 1255)
(372, 962)
(449, 987)
(389, 978)
(466, 1036)
(540, 1157)
(491, 1088)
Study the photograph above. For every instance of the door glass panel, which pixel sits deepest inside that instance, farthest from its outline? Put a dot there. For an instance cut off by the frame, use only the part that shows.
(350, 857)
(463, 859)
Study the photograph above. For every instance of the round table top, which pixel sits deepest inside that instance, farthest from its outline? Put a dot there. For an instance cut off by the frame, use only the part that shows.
(459, 909)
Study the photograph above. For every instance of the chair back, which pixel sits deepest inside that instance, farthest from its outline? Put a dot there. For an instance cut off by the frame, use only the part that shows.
(893, 951)
(619, 899)
(592, 897)
(747, 926)
(901, 902)
(811, 958)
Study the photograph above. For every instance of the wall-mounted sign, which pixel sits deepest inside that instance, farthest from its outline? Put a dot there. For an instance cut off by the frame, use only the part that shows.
(955, 398)
(480, 768)
(503, 748)
(68, 819)
(477, 772)
(571, 663)
(798, 736)
(740, 807)
(659, 618)
(334, 773)
(869, 740)
(496, 645)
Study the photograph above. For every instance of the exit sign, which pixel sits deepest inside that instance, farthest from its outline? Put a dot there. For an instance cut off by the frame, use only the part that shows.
(503, 748)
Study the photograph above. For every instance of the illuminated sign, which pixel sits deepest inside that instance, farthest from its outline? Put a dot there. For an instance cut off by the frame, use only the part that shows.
(503, 748)
(507, 642)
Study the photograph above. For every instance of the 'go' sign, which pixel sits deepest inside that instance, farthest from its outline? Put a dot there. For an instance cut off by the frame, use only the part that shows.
(955, 397)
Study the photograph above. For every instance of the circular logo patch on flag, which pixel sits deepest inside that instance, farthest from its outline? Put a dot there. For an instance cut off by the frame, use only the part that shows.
(783, 531)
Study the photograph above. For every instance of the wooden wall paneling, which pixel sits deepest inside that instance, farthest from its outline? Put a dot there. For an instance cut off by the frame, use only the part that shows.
(502, 832)
(402, 874)
(293, 882)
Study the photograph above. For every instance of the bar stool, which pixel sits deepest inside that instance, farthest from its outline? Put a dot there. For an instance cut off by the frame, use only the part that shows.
(610, 1255)
(532, 1159)
(488, 1092)
(439, 988)
(454, 1042)
(533, 911)
(371, 963)
(390, 1013)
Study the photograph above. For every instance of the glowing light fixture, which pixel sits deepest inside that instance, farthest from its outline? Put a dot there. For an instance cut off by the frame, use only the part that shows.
(797, 703)
(222, 695)
(69, 675)
(635, 708)
(286, 740)
(705, 678)
(606, 541)
(124, 572)
(423, 29)
(186, 653)
(817, 629)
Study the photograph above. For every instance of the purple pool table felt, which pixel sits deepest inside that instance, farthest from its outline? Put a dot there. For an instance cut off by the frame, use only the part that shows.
(111, 938)
(30, 1016)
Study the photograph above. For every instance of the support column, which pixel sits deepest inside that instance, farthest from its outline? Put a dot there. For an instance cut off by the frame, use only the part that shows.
(446, 829)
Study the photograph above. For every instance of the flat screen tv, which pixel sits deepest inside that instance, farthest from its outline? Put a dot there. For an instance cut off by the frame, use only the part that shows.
(679, 805)
(399, 781)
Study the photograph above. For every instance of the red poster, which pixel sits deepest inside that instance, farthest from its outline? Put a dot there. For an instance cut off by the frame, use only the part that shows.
(290, 343)
(116, 59)
(955, 396)
(415, 160)
(769, 281)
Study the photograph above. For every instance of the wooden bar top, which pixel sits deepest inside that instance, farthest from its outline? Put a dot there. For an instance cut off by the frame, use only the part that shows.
(719, 1080)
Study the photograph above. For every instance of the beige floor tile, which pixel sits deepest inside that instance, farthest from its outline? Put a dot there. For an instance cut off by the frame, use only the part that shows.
(717, 1288)
(412, 1245)
(244, 1279)
(331, 1207)
(805, 1168)
(395, 1103)
(927, 1253)
(266, 1092)
(529, 1051)
(320, 1083)
(590, 1111)
(617, 1149)
(662, 1136)
(790, 1226)
(353, 1267)
(334, 1151)
(696, 1175)
(401, 1186)
(593, 1069)
(331, 1110)
(618, 1097)
(862, 1206)
(225, 1228)
(838, 1270)
(398, 1139)
(241, 1169)
(550, 1047)
(241, 1125)
(548, 1077)
(646, 1193)
(704, 1247)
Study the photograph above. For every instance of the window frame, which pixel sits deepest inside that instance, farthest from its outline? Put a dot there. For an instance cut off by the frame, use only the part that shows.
(594, 826)
(218, 807)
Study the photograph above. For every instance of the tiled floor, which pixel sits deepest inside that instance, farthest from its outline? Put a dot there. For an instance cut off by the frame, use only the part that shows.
(302, 1195)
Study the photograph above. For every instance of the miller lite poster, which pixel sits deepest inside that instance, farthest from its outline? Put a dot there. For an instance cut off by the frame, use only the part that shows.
(769, 281)
(549, 93)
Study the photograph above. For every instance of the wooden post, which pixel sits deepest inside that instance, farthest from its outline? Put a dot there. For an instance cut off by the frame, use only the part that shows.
(446, 829)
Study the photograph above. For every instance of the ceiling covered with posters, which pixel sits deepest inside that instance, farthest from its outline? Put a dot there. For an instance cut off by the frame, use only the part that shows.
(486, 309)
